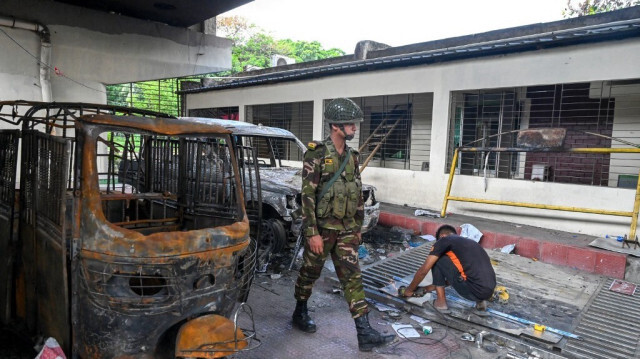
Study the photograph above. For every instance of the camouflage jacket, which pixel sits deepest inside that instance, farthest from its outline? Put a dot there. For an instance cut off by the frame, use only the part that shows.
(342, 207)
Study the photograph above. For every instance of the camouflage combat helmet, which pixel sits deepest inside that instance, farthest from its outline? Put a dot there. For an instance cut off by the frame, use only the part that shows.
(342, 110)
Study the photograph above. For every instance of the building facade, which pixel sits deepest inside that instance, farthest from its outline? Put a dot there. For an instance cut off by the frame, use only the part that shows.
(579, 74)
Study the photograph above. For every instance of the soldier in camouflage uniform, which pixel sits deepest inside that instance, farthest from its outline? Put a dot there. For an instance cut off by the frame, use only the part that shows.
(332, 216)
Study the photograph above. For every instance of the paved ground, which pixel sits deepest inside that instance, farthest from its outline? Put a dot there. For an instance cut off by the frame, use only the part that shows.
(539, 291)
(272, 302)
(554, 295)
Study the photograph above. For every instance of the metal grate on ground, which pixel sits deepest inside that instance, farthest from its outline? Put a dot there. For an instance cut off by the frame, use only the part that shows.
(378, 275)
(610, 327)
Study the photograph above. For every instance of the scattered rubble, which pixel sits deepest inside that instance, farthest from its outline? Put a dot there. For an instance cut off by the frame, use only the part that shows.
(509, 248)
(426, 213)
(471, 232)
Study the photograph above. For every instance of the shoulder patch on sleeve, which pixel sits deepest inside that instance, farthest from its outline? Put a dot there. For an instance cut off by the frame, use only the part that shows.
(313, 145)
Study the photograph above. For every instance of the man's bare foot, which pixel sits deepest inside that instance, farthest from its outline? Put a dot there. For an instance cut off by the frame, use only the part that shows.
(481, 305)
(441, 306)
(481, 308)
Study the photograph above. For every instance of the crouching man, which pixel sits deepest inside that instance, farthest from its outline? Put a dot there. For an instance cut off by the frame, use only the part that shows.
(461, 263)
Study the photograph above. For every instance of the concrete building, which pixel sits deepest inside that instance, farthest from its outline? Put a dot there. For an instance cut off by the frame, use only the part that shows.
(69, 50)
(580, 74)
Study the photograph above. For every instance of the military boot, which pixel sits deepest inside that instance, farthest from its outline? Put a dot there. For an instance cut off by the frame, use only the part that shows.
(301, 318)
(368, 338)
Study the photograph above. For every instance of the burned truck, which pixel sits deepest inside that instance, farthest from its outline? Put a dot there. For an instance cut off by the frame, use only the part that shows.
(117, 268)
(279, 155)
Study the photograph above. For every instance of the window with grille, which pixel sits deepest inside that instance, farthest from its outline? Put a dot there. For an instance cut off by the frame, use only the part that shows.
(156, 95)
(405, 120)
(296, 117)
(601, 114)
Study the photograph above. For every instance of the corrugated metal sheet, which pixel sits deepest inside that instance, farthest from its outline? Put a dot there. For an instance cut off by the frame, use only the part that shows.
(610, 327)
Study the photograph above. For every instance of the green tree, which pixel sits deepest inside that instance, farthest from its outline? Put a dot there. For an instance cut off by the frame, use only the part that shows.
(253, 46)
(591, 7)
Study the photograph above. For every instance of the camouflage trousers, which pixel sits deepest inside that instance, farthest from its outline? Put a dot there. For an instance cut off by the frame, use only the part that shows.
(343, 247)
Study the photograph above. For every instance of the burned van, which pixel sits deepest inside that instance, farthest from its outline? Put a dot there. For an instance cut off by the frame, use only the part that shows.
(147, 265)
(279, 154)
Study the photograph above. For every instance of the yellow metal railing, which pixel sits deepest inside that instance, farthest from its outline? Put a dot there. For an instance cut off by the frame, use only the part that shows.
(633, 214)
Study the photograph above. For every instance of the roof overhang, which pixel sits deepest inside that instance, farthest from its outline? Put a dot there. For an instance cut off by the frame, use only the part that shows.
(181, 13)
(599, 28)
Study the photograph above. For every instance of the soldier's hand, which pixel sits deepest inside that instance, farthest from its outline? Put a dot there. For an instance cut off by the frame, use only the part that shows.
(359, 235)
(316, 244)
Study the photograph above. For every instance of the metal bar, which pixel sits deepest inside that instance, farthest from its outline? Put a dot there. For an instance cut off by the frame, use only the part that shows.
(366, 162)
(636, 208)
(449, 182)
(147, 221)
(366, 142)
(571, 150)
(540, 206)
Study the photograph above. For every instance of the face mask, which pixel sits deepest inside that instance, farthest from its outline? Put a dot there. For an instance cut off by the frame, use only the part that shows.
(347, 137)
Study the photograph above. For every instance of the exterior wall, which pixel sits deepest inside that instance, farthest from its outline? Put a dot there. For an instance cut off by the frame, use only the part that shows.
(421, 132)
(625, 126)
(92, 49)
(426, 189)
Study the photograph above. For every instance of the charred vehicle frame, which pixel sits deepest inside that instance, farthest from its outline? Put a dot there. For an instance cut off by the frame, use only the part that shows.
(150, 265)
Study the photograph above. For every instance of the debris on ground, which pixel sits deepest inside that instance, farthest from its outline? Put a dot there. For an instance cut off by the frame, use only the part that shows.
(471, 232)
(419, 320)
(362, 251)
(404, 234)
(383, 242)
(490, 349)
(405, 330)
(426, 213)
(51, 350)
(508, 248)
(381, 307)
(428, 238)
(500, 295)
(467, 337)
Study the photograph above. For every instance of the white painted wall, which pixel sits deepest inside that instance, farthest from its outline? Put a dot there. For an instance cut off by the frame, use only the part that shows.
(92, 49)
(594, 62)
(626, 126)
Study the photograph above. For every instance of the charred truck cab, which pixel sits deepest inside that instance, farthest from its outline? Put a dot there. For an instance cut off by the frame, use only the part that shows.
(132, 236)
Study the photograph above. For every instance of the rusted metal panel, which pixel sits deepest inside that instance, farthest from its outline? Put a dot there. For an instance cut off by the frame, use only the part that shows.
(161, 279)
(8, 165)
(164, 126)
(541, 138)
(210, 336)
(43, 234)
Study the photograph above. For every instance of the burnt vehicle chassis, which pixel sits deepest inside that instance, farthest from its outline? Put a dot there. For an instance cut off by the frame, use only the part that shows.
(112, 268)
(280, 183)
